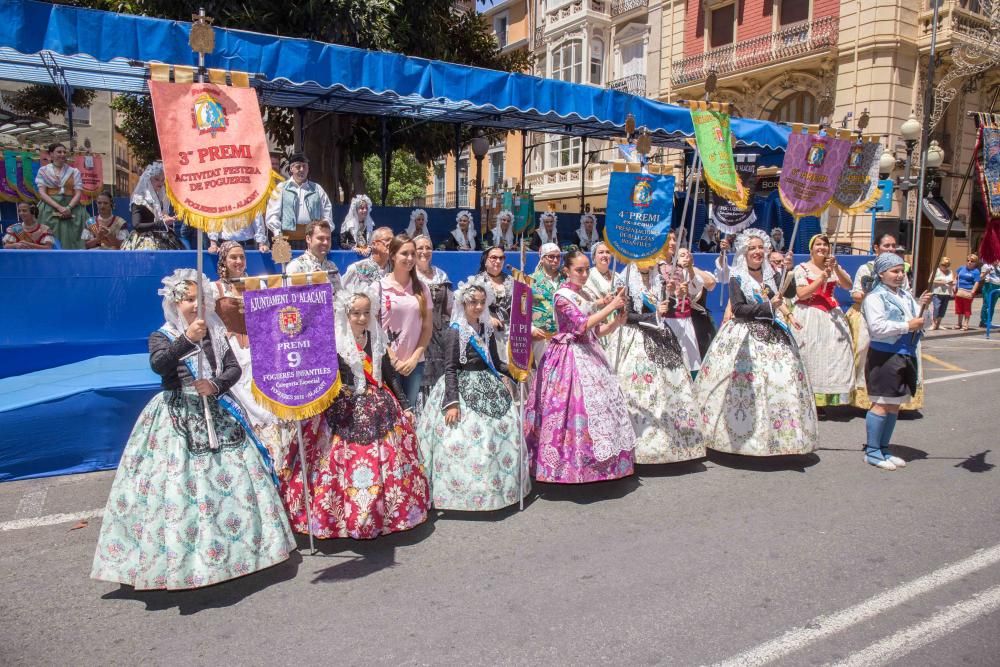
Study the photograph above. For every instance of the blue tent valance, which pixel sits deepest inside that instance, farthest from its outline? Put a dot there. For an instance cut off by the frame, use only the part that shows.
(86, 48)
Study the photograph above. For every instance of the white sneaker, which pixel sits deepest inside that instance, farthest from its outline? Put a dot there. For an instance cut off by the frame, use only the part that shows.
(896, 461)
(884, 464)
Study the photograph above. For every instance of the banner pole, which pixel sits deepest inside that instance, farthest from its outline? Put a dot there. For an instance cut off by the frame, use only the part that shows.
(522, 447)
(618, 352)
(785, 275)
(306, 495)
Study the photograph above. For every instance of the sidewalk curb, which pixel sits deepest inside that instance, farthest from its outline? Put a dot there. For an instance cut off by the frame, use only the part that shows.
(995, 331)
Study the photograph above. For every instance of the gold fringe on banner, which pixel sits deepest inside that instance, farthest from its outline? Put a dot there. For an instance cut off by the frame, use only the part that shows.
(159, 72)
(213, 224)
(861, 206)
(519, 374)
(290, 412)
(649, 260)
(217, 76)
(275, 280)
(183, 74)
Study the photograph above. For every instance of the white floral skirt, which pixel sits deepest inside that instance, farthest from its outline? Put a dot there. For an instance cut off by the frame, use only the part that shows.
(754, 393)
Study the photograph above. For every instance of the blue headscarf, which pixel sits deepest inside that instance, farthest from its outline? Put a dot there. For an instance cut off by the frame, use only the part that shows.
(883, 263)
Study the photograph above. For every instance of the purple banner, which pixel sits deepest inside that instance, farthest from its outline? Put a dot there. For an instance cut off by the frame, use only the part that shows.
(519, 344)
(811, 171)
(292, 349)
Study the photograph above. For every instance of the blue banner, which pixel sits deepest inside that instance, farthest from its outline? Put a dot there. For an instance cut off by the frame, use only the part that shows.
(884, 203)
(640, 211)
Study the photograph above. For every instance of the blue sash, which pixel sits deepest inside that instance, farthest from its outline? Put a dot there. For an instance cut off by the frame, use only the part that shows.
(477, 346)
(236, 410)
(905, 345)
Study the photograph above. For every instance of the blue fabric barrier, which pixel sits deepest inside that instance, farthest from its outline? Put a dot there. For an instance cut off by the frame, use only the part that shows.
(72, 419)
(75, 304)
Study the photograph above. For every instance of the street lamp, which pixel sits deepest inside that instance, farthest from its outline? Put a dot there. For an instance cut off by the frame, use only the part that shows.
(886, 164)
(480, 146)
(935, 155)
(910, 132)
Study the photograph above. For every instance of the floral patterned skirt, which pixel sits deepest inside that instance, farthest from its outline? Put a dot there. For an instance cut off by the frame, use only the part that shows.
(754, 394)
(576, 423)
(660, 395)
(860, 338)
(474, 464)
(365, 475)
(183, 516)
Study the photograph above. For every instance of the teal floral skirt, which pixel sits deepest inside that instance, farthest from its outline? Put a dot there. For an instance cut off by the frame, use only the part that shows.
(181, 515)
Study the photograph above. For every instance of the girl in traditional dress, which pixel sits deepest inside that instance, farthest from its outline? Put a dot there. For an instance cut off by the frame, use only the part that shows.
(754, 393)
(358, 225)
(60, 188)
(576, 419)
(228, 294)
(105, 230)
(502, 234)
(657, 384)
(152, 224)
(463, 237)
(825, 337)
(439, 284)
(895, 325)
(191, 506)
(470, 430)
(365, 474)
(418, 224)
(500, 286)
(601, 281)
(26, 233)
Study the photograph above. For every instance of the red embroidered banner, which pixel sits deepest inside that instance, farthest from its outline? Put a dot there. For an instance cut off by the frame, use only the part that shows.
(214, 149)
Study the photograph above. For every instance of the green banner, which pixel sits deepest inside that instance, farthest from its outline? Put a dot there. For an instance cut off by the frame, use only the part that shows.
(522, 205)
(713, 138)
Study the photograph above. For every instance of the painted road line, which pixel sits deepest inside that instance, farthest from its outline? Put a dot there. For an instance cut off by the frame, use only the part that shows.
(899, 644)
(938, 362)
(824, 626)
(49, 520)
(962, 376)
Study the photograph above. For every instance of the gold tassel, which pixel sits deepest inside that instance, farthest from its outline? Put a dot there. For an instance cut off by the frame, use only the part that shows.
(289, 412)
(214, 224)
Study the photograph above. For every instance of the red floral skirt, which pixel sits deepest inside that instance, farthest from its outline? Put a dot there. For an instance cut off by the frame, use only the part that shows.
(365, 474)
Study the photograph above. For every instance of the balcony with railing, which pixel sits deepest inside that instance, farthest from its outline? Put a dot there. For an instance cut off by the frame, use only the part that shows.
(633, 84)
(790, 42)
(967, 21)
(573, 11)
(619, 7)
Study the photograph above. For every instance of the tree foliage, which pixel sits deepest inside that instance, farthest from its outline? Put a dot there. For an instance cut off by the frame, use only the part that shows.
(135, 122)
(337, 143)
(408, 180)
(42, 101)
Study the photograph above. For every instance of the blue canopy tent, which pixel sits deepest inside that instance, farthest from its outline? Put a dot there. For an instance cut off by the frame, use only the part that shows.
(85, 48)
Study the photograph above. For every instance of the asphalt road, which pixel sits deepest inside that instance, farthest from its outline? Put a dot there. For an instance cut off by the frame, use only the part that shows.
(813, 560)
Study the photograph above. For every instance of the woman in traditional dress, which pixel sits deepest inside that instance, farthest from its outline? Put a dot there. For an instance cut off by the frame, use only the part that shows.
(439, 284)
(191, 506)
(895, 326)
(825, 337)
(105, 230)
(674, 286)
(576, 419)
(60, 189)
(470, 429)
(152, 224)
(502, 234)
(418, 224)
(366, 478)
(500, 286)
(657, 384)
(228, 294)
(405, 314)
(586, 234)
(754, 393)
(463, 237)
(547, 232)
(358, 225)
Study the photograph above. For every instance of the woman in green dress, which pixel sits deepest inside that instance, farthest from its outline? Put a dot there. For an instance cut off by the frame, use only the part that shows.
(60, 188)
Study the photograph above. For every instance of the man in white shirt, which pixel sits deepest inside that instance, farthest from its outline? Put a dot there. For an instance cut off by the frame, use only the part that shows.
(369, 270)
(297, 202)
(319, 236)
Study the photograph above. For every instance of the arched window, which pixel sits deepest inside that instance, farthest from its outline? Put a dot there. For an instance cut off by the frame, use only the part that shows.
(567, 61)
(596, 61)
(798, 107)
